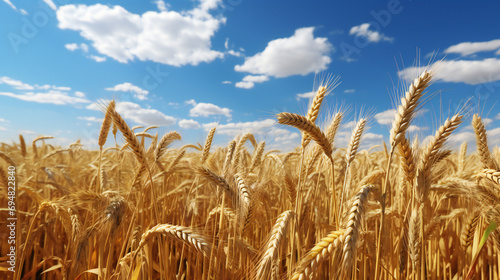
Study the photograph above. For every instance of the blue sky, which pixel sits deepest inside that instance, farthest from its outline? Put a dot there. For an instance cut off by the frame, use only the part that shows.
(191, 65)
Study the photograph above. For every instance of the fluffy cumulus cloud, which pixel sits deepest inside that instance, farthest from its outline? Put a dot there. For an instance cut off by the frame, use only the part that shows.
(299, 54)
(249, 81)
(189, 124)
(472, 72)
(165, 36)
(468, 48)
(207, 109)
(138, 92)
(363, 31)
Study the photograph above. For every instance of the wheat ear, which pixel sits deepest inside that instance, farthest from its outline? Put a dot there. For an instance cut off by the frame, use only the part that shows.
(468, 230)
(278, 233)
(106, 124)
(245, 202)
(257, 157)
(353, 227)
(208, 143)
(318, 254)
(408, 164)
(165, 141)
(133, 143)
(313, 112)
(463, 157)
(308, 127)
(430, 155)
(492, 175)
(229, 157)
(406, 111)
(23, 145)
(352, 148)
(181, 234)
(482, 143)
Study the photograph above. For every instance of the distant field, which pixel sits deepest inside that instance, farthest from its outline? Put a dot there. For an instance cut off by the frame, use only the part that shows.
(147, 211)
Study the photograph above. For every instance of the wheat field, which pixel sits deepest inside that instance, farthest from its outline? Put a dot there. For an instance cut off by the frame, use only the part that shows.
(144, 210)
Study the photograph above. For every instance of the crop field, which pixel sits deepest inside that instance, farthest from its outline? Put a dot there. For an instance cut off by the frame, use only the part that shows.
(139, 209)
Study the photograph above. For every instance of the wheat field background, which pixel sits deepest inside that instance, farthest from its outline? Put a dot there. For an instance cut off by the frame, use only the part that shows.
(143, 210)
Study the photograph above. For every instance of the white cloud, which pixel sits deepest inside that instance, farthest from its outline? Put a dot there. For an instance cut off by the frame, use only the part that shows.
(249, 81)
(287, 137)
(190, 102)
(90, 119)
(61, 88)
(98, 58)
(22, 11)
(413, 128)
(256, 79)
(494, 132)
(234, 53)
(471, 72)
(208, 109)
(461, 137)
(160, 4)
(487, 121)
(189, 124)
(3, 120)
(72, 47)
(51, 4)
(364, 31)
(47, 87)
(498, 116)
(50, 97)
(16, 84)
(136, 113)
(226, 82)
(245, 85)
(139, 93)
(386, 117)
(3, 128)
(306, 95)
(168, 37)
(299, 54)
(10, 4)
(173, 103)
(79, 94)
(349, 91)
(233, 129)
(468, 48)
